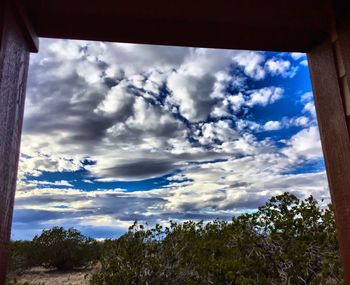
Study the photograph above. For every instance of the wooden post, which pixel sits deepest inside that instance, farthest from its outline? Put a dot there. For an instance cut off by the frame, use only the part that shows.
(329, 64)
(14, 59)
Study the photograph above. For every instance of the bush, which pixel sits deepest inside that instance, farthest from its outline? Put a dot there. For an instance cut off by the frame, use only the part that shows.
(21, 257)
(287, 241)
(64, 249)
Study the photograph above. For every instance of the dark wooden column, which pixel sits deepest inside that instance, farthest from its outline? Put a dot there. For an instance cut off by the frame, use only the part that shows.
(14, 56)
(329, 64)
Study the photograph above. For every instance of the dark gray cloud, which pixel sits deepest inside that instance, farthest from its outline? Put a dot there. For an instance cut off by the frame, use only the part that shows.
(140, 169)
(29, 215)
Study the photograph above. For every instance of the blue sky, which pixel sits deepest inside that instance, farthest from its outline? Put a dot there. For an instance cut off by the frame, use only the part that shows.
(119, 132)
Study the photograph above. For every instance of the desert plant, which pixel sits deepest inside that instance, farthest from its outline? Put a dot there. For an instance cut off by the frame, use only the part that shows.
(287, 241)
(22, 256)
(64, 249)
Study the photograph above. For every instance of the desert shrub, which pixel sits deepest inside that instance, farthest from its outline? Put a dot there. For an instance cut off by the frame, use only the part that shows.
(287, 241)
(64, 249)
(22, 256)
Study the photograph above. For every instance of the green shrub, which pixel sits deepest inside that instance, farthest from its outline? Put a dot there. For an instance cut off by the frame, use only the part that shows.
(64, 249)
(287, 241)
(22, 256)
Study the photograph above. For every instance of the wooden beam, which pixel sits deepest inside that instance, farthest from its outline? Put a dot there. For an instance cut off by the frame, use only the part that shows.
(14, 58)
(329, 70)
(290, 25)
(26, 26)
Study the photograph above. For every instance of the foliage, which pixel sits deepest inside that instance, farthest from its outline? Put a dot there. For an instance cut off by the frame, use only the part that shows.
(58, 248)
(287, 241)
(64, 249)
(22, 253)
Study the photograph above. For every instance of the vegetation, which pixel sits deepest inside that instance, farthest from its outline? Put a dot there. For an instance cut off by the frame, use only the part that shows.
(65, 249)
(54, 248)
(287, 241)
(22, 256)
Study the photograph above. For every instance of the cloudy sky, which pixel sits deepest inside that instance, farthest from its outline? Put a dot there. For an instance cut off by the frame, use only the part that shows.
(118, 132)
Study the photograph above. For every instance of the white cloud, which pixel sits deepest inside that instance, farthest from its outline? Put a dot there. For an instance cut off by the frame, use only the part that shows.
(221, 130)
(252, 63)
(37, 162)
(272, 125)
(55, 183)
(192, 95)
(305, 144)
(236, 101)
(297, 55)
(264, 96)
(310, 107)
(307, 97)
(300, 57)
(280, 67)
(117, 100)
(304, 62)
(301, 121)
(200, 79)
(276, 66)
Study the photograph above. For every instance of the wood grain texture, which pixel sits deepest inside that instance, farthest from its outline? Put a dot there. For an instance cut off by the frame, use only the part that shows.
(343, 33)
(14, 57)
(335, 140)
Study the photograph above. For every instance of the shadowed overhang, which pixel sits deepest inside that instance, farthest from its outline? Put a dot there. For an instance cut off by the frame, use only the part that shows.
(279, 25)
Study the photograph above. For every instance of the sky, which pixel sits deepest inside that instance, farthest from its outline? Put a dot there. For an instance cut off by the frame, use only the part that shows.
(120, 132)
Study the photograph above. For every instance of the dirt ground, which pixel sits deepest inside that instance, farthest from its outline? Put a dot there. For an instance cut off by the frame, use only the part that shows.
(50, 277)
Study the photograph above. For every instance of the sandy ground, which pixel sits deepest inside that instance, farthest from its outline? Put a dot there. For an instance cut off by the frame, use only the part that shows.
(50, 277)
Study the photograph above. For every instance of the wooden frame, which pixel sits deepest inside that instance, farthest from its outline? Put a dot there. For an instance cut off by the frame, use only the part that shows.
(319, 27)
